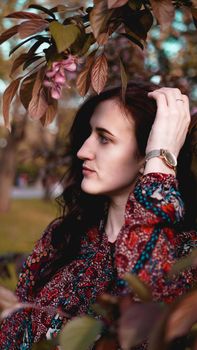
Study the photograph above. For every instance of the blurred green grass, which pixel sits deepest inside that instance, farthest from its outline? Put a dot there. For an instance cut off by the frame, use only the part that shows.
(22, 226)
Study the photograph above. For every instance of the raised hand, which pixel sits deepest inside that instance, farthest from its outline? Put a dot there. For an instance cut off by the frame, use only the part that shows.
(170, 126)
(172, 120)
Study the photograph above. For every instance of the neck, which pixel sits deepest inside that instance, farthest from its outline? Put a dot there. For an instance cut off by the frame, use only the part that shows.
(115, 218)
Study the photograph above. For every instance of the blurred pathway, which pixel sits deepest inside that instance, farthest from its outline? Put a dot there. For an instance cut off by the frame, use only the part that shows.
(28, 192)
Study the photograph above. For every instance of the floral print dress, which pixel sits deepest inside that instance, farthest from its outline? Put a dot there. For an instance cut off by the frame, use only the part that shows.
(148, 244)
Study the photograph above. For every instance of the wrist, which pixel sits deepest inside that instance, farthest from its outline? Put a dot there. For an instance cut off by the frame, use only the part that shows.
(156, 165)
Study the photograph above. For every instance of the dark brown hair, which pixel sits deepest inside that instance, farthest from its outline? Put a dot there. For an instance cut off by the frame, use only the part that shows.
(81, 211)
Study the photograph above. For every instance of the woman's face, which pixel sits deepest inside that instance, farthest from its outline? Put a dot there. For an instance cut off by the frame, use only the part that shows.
(110, 162)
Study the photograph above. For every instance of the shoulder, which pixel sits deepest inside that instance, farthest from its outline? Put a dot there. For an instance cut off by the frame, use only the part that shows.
(45, 239)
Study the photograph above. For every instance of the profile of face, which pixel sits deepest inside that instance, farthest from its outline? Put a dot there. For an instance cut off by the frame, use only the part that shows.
(110, 156)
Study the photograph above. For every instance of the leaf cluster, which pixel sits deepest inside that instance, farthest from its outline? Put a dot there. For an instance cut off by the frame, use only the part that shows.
(126, 321)
(83, 33)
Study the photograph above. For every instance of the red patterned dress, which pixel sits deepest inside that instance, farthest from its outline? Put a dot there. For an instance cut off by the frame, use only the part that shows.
(147, 245)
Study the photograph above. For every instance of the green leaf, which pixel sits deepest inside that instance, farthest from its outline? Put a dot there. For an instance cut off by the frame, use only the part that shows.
(80, 333)
(184, 263)
(64, 36)
(45, 345)
(124, 79)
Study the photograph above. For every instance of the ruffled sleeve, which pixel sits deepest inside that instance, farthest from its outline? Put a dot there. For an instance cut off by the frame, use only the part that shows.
(147, 243)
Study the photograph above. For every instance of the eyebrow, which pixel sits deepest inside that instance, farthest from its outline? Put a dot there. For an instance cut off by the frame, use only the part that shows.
(98, 129)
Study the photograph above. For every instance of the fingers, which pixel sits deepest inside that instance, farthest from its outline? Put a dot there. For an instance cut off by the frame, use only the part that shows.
(172, 119)
(173, 99)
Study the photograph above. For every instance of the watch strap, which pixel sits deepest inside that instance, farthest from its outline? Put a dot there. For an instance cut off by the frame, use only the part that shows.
(161, 153)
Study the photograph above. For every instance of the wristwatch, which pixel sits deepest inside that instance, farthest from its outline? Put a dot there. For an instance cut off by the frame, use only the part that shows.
(167, 157)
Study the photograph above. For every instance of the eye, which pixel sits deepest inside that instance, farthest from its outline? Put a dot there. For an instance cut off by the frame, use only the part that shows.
(103, 139)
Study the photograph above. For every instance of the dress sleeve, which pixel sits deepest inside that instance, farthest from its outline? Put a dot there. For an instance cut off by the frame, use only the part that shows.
(146, 244)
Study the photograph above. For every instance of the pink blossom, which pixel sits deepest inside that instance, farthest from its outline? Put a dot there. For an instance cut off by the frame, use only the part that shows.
(56, 77)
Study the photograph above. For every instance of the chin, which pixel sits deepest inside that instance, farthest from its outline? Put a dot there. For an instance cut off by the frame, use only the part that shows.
(90, 189)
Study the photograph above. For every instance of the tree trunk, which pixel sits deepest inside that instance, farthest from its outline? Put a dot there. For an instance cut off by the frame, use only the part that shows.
(8, 164)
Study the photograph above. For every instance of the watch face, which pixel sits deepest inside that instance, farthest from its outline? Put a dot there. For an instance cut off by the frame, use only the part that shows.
(170, 158)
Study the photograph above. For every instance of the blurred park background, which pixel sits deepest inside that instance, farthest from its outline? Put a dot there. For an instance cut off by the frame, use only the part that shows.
(33, 159)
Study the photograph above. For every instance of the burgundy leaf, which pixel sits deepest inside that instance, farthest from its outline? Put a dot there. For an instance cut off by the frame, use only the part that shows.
(18, 62)
(26, 89)
(8, 33)
(164, 12)
(8, 96)
(31, 60)
(23, 42)
(31, 27)
(182, 317)
(136, 323)
(50, 113)
(23, 15)
(43, 9)
(99, 16)
(107, 343)
(84, 80)
(99, 73)
(38, 105)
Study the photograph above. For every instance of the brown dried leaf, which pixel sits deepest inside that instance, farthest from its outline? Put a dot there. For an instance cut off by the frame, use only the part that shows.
(136, 323)
(31, 27)
(194, 15)
(182, 318)
(8, 96)
(8, 33)
(50, 114)
(38, 104)
(99, 17)
(18, 62)
(99, 73)
(103, 38)
(116, 3)
(23, 15)
(164, 12)
(26, 89)
(139, 287)
(84, 80)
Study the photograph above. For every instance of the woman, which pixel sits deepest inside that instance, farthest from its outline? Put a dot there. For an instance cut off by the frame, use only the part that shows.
(122, 212)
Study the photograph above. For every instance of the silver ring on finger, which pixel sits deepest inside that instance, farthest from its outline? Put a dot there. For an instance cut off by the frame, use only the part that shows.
(179, 99)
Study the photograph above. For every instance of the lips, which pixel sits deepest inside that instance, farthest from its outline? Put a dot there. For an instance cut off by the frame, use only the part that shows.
(87, 171)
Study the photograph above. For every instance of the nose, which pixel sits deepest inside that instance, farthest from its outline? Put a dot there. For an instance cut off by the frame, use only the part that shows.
(86, 150)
